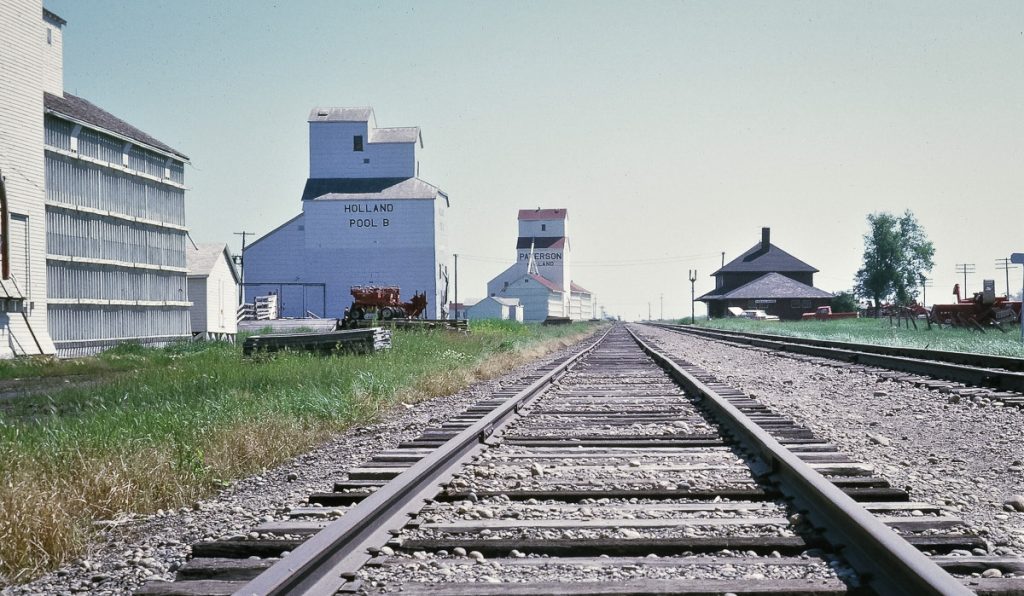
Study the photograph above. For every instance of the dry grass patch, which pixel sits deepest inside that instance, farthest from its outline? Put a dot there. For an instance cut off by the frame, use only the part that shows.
(179, 422)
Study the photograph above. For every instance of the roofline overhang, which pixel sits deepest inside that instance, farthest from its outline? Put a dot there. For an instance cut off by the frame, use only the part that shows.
(178, 156)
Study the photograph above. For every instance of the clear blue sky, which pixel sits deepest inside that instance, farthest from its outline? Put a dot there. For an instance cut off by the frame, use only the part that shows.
(671, 131)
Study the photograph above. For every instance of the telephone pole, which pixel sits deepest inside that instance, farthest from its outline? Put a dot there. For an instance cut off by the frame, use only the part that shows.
(1004, 264)
(964, 268)
(239, 259)
(661, 317)
(693, 279)
(925, 284)
(456, 317)
(648, 311)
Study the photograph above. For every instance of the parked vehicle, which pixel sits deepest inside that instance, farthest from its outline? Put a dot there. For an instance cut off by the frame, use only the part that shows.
(759, 315)
(824, 313)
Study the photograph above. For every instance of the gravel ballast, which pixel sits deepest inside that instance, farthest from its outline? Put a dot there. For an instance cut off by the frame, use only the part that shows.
(964, 454)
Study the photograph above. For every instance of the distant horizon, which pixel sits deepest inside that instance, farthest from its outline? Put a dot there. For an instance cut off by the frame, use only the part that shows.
(670, 131)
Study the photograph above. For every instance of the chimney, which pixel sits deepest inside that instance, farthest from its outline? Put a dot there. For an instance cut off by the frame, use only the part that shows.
(766, 234)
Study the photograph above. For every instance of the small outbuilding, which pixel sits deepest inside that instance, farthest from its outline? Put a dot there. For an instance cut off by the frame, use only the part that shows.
(495, 307)
(213, 289)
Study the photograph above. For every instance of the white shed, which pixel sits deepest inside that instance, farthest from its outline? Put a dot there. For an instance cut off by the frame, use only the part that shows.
(213, 289)
(494, 307)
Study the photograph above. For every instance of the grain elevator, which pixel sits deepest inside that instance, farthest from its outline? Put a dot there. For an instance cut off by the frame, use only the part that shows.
(366, 219)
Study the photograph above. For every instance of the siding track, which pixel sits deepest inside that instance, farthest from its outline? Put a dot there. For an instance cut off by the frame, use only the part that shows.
(1001, 376)
(618, 471)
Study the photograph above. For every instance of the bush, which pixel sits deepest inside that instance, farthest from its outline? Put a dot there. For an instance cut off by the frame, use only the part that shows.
(844, 302)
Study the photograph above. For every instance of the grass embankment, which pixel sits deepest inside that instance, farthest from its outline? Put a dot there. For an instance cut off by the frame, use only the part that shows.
(879, 331)
(175, 423)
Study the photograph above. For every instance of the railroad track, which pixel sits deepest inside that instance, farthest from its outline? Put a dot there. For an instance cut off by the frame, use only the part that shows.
(616, 471)
(994, 377)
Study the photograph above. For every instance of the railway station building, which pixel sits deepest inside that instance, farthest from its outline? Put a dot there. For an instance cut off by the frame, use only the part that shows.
(767, 278)
(95, 209)
(541, 276)
(366, 219)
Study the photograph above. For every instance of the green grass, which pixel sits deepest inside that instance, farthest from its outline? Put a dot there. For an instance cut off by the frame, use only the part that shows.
(879, 331)
(174, 423)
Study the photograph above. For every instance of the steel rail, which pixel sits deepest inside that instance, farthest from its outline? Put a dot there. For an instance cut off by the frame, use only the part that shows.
(330, 558)
(886, 562)
(934, 363)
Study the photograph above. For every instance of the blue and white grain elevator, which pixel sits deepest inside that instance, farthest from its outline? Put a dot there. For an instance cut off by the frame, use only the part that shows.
(366, 219)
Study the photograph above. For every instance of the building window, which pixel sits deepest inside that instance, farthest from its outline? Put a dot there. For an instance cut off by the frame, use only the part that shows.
(366, 160)
(357, 143)
(543, 227)
(49, 36)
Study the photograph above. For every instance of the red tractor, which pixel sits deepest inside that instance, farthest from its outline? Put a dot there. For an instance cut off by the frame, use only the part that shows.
(381, 303)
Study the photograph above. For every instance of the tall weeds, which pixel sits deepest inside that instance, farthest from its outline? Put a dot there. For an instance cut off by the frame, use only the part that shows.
(173, 424)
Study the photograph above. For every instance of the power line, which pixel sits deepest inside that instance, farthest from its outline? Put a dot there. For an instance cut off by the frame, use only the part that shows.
(964, 268)
(1004, 264)
(667, 260)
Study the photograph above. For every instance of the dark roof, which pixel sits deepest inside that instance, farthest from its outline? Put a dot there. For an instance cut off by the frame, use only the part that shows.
(49, 14)
(77, 108)
(377, 188)
(757, 259)
(770, 285)
(575, 287)
(541, 242)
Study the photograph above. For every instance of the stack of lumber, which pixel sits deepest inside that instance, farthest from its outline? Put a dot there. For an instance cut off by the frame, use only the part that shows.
(289, 326)
(362, 341)
(266, 307)
(460, 325)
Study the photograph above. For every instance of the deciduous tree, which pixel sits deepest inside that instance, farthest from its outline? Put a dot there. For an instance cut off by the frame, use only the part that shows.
(896, 253)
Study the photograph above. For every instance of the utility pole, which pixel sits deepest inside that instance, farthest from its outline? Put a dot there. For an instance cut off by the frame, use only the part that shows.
(1004, 264)
(723, 258)
(240, 261)
(964, 268)
(693, 278)
(456, 317)
(925, 284)
(648, 311)
(661, 317)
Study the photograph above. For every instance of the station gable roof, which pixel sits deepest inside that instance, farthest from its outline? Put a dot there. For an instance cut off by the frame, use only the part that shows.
(759, 258)
(770, 285)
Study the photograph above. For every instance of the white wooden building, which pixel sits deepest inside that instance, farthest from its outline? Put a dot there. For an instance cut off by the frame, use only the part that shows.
(96, 209)
(494, 307)
(213, 290)
(366, 219)
(115, 228)
(30, 35)
(541, 276)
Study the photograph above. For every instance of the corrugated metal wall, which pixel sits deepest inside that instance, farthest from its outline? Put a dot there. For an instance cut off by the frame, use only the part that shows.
(84, 184)
(74, 233)
(71, 322)
(84, 281)
(135, 249)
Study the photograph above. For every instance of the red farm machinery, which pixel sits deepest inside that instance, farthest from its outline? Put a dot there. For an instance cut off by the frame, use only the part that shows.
(381, 303)
(984, 309)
